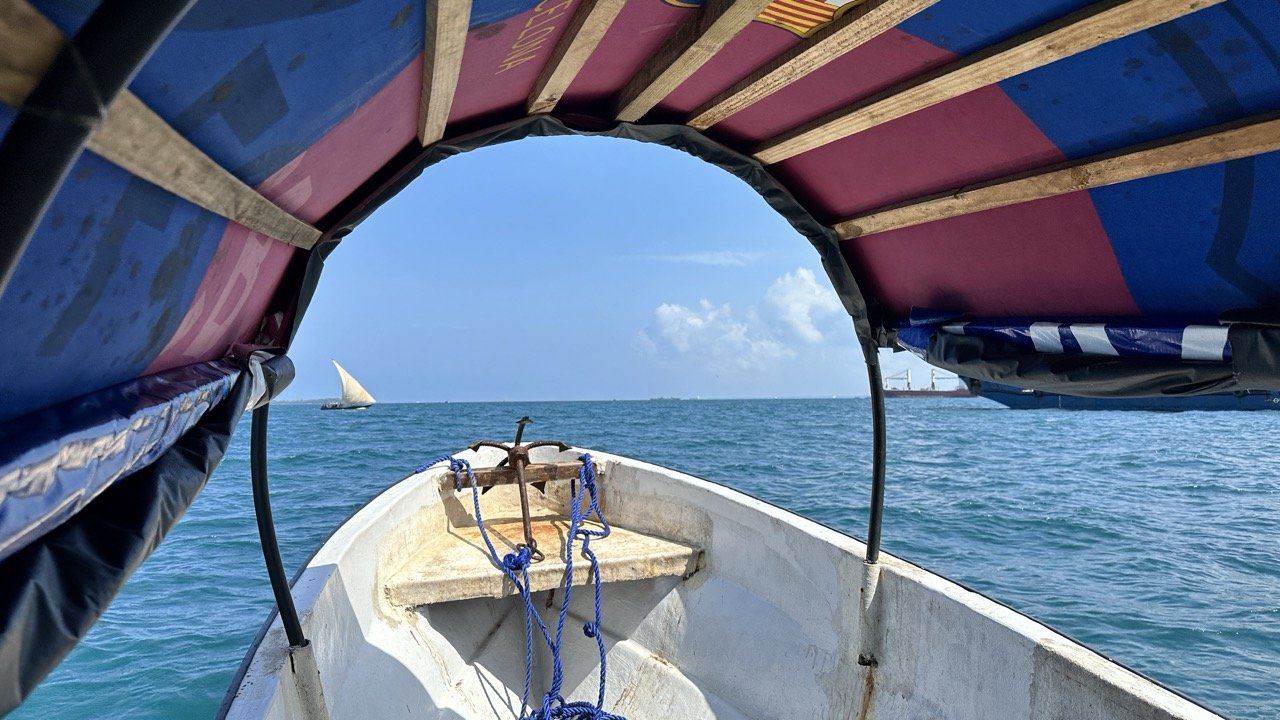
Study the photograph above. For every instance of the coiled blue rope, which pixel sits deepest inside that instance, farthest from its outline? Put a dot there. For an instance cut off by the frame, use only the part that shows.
(516, 567)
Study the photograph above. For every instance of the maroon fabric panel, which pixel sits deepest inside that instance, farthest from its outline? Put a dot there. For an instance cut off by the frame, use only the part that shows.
(637, 33)
(501, 61)
(880, 63)
(754, 46)
(979, 136)
(1048, 258)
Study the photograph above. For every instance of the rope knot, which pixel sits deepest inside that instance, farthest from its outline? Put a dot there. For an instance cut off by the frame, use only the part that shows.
(590, 629)
(588, 474)
(518, 560)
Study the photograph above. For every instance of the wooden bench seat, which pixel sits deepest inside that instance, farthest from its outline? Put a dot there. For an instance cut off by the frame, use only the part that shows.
(455, 565)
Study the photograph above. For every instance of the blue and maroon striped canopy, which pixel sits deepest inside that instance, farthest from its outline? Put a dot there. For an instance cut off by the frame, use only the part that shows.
(306, 102)
(1027, 171)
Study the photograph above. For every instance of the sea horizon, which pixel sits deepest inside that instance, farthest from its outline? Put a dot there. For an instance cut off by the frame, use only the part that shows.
(317, 401)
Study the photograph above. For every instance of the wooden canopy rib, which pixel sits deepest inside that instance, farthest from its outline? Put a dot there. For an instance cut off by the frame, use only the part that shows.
(853, 28)
(1088, 28)
(132, 136)
(446, 35)
(1215, 145)
(28, 45)
(715, 23)
(589, 24)
(140, 141)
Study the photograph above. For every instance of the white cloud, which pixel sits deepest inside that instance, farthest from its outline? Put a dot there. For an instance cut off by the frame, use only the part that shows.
(797, 298)
(712, 335)
(720, 258)
(717, 338)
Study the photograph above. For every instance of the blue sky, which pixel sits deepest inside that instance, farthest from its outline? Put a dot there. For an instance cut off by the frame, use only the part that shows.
(577, 269)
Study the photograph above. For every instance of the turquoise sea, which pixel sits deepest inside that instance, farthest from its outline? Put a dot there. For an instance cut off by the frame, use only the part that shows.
(1152, 538)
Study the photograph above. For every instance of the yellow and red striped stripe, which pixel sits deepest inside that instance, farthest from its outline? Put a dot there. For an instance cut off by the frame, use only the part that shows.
(799, 16)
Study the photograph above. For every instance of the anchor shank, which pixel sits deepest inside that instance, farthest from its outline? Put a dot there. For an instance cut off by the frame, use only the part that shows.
(517, 462)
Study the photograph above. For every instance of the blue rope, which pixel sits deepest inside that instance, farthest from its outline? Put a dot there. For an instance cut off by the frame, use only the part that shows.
(516, 567)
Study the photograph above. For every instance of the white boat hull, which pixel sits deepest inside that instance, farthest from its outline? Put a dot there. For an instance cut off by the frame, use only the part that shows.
(771, 625)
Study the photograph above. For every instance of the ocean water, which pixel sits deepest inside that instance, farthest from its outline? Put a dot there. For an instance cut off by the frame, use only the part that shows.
(1152, 538)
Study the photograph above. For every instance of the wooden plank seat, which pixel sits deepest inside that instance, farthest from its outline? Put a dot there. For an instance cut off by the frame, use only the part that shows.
(454, 564)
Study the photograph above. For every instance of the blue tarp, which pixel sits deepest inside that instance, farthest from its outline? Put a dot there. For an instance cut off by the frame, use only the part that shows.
(55, 461)
(1116, 339)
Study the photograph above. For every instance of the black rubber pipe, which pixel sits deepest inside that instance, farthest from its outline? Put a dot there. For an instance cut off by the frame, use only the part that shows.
(55, 121)
(878, 441)
(267, 529)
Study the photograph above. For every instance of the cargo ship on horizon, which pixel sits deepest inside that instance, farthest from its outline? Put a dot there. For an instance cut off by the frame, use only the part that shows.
(933, 391)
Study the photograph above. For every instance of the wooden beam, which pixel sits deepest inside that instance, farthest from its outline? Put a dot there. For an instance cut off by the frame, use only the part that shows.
(589, 24)
(1218, 144)
(1083, 30)
(140, 141)
(715, 23)
(854, 27)
(533, 474)
(132, 136)
(446, 35)
(28, 45)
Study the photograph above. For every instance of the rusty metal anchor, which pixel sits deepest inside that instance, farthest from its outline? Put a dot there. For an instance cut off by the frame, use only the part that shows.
(518, 457)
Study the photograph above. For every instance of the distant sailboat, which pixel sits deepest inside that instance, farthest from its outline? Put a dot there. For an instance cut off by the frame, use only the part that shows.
(354, 396)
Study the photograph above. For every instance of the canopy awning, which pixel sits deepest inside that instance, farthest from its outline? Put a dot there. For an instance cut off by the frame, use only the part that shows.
(1057, 159)
(173, 174)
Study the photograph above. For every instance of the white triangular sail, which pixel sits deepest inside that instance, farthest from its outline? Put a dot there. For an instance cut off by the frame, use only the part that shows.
(353, 393)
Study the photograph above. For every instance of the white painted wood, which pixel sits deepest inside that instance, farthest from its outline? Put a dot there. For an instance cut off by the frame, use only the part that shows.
(768, 627)
(455, 565)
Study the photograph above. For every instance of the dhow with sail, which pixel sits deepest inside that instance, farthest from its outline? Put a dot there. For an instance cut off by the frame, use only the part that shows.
(354, 396)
